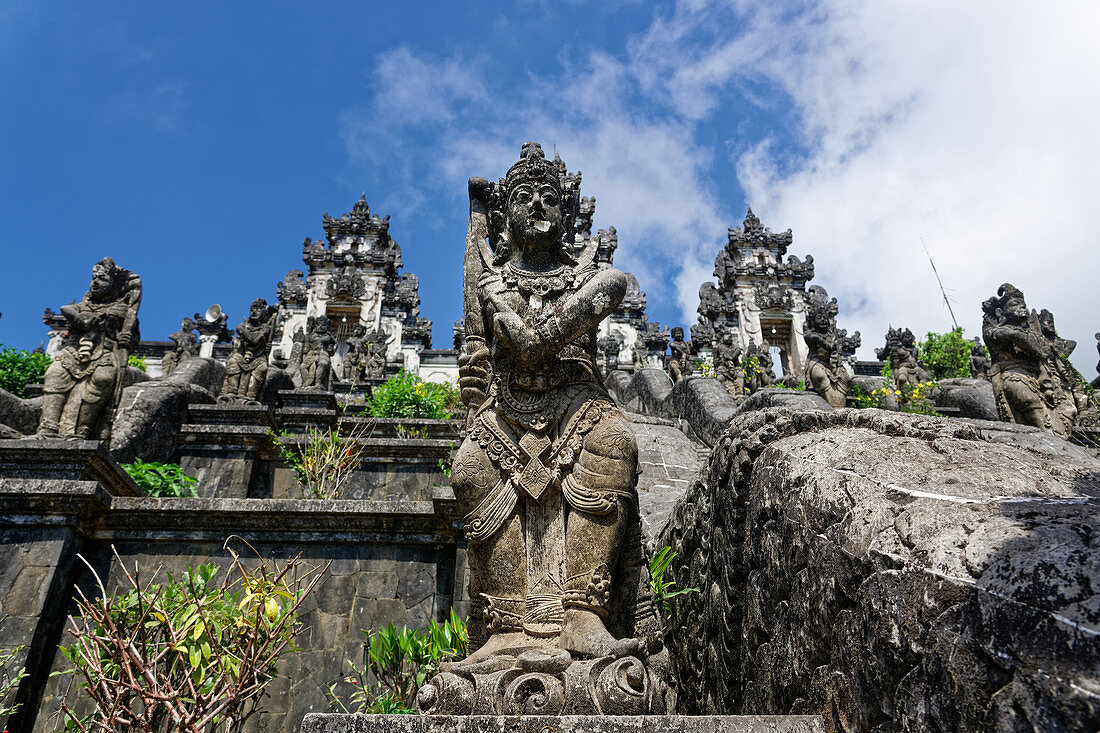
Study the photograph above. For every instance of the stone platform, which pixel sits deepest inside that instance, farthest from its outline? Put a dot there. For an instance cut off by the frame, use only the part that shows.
(321, 723)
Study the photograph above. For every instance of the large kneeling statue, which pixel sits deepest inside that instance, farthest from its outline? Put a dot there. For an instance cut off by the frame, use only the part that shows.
(82, 385)
(547, 473)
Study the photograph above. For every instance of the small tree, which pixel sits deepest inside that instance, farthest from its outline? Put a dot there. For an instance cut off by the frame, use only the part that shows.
(945, 355)
(19, 368)
(187, 656)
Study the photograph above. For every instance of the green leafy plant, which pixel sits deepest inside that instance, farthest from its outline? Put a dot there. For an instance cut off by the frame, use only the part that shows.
(189, 655)
(406, 395)
(663, 590)
(19, 368)
(945, 355)
(324, 461)
(161, 479)
(750, 365)
(397, 663)
(9, 680)
(138, 362)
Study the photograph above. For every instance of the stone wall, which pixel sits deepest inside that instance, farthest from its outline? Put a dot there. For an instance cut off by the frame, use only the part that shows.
(391, 562)
(890, 572)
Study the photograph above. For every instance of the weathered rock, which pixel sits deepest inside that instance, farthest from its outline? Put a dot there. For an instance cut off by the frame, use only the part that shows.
(668, 461)
(20, 414)
(890, 572)
(973, 398)
(705, 404)
(278, 380)
(793, 398)
(329, 723)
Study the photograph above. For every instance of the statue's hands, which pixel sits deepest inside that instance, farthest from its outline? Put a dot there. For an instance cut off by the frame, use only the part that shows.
(473, 373)
(516, 335)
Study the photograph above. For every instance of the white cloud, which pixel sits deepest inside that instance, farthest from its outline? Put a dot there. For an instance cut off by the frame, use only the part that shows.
(972, 125)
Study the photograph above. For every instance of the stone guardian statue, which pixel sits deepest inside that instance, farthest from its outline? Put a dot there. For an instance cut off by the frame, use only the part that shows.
(547, 472)
(825, 372)
(186, 347)
(1024, 389)
(246, 367)
(83, 384)
(679, 358)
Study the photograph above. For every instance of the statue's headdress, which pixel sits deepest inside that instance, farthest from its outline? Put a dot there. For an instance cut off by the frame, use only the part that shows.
(995, 307)
(820, 304)
(533, 168)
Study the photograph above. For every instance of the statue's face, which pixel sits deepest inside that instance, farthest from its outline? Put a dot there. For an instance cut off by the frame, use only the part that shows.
(1016, 309)
(535, 215)
(101, 282)
(677, 334)
(188, 324)
(256, 312)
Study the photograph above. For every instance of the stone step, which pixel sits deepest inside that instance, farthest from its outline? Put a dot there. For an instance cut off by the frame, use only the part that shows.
(329, 723)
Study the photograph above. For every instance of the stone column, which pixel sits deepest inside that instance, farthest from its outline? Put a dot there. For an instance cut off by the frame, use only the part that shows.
(206, 344)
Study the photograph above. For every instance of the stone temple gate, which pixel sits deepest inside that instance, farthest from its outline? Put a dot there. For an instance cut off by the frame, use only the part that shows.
(759, 298)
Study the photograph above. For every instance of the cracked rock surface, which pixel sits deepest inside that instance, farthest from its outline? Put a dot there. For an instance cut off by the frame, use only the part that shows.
(889, 572)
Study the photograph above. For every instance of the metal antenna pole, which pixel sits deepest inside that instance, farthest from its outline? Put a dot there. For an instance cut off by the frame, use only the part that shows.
(942, 291)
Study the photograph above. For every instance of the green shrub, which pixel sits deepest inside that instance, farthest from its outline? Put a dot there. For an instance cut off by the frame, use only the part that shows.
(325, 460)
(397, 664)
(406, 395)
(161, 479)
(945, 355)
(138, 362)
(19, 368)
(189, 654)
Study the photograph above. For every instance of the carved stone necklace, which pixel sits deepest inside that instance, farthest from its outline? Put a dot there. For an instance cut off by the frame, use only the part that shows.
(539, 284)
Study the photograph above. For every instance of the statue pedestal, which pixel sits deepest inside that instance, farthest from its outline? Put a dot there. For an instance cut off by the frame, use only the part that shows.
(302, 409)
(322, 723)
(220, 446)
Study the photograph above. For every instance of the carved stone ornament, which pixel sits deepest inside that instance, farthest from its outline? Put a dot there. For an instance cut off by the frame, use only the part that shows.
(546, 475)
(313, 368)
(291, 289)
(773, 297)
(366, 357)
(346, 284)
(246, 367)
(82, 385)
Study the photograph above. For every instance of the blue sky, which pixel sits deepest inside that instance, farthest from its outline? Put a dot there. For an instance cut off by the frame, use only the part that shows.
(199, 143)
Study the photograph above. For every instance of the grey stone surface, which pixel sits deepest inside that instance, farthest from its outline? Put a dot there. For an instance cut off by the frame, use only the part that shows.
(889, 572)
(150, 414)
(561, 724)
(20, 414)
(971, 397)
(668, 460)
(775, 397)
(705, 404)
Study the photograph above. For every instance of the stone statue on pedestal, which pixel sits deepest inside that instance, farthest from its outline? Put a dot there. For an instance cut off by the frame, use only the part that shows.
(901, 351)
(679, 358)
(727, 365)
(186, 347)
(979, 360)
(825, 372)
(246, 367)
(314, 365)
(547, 472)
(1026, 391)
(1073, 397)
(366, 357)
(82, 385)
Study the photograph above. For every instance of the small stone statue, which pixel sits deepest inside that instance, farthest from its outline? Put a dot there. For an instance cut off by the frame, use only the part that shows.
(825, 372)
(366, 357)
(1073, 397)
(547, 472)
(314, 368)
(979, 360)
(187, 346)
(1024, 389)
(727, 365)
(82, 385)
(901, 351)
(246, 367)
(609, 347)
(679, 359)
